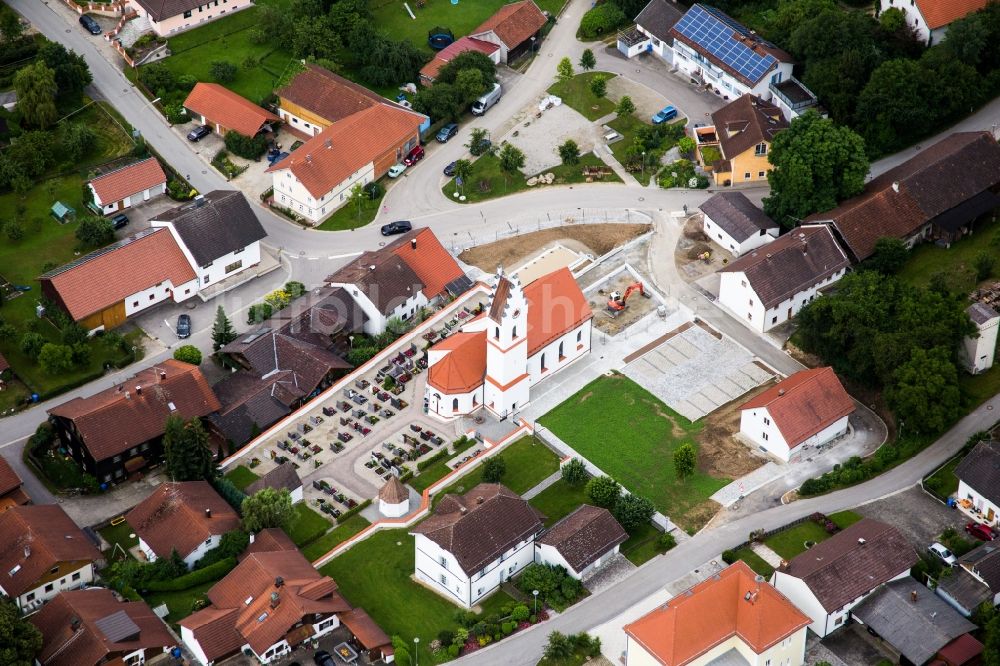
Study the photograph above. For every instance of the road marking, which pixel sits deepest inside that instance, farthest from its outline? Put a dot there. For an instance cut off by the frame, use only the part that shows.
(13, 441)
(341, 256)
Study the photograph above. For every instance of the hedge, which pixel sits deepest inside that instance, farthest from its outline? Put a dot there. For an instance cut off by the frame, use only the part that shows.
(347, 514)
(427, 462)
(197, 577)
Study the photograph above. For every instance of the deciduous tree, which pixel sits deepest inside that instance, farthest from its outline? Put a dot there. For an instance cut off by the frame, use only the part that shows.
(626, 107)
(604, 491)
(569, 152)
(575, 473)
(55, 359)
(925, 393)
(685, 460)
(267, 508)
(223, 71)
(36, 89)
(564, 70)
(890, 256)
(493, 469)
(599, 86)
(633, 511)
(511, 159)
(94, 232)
(72, 74)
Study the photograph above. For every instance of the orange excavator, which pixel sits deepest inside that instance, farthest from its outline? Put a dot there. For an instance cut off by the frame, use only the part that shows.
(618, 301)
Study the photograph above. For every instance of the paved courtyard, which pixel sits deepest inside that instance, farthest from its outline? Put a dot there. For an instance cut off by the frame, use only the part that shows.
(696, 372)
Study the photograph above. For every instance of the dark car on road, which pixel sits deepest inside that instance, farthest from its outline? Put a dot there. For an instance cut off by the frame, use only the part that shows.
(323, 658)
(90, 24)
(119, 221)
(398, 227)
(446, 132)
(980, 531)
(184, 326)
(450, 170)
(199, 133)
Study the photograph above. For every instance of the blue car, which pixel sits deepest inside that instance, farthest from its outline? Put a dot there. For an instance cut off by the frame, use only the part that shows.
(448, 131)
(665, 114)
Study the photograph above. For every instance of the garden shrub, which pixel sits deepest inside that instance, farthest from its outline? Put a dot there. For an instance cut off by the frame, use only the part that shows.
(555, 586)
(249, 148)
(440, 455)
(601, 20)
(294, 289)
(188, 354)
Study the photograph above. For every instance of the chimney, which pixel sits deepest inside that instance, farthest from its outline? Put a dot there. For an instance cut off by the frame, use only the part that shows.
(371, 267)
(329, 144)
(309, 158)
(463, 510)
(74, 623)
(138, 389)
(275, 598)
(208, 513)
(127, 396)
(199, 201)
(781, 391)
(163, 375)
(895, 186)
(413, 243)
(27, 551)
(861, 541)
(913, 596)
(279, 581)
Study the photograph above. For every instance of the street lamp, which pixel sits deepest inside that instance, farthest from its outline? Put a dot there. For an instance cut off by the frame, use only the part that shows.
(534, 593)
(644, 164)
(416, 650)
(350, 339)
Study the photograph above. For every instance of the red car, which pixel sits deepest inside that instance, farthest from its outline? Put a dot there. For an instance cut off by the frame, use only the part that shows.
(414, 156)
(980, 531)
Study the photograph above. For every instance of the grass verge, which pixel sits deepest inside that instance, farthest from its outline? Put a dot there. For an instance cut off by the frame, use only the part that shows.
(328, 541)
(349, 216)
(576, 94)
(242, 476)
(306, 525)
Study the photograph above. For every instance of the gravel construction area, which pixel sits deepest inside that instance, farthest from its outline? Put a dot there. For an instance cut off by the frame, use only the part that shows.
(722, 455)
(540, 138)
(647, 101)
(636, 308)
(696, 372)
(917, 515)
(597, 239)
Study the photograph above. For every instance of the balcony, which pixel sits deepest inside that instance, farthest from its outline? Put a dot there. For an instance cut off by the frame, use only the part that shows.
(793, 94)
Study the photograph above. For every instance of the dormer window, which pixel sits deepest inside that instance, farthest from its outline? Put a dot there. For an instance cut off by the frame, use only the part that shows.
(761, 149)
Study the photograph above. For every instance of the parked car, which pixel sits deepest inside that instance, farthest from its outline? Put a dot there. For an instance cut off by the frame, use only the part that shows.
(119, 221)
(414, 155)
(184, 326)
(90, 24)
(450, 170)
(942, 553)
(199, 133)
(323, 658)
(665, 114)
(446, 132)
(396, 170)
(980, 531)
(481, 105)
(398, 227)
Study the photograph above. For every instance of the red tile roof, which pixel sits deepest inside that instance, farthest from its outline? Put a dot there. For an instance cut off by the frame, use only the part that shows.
(342, 149)
(267, 540)
(108, 628)
(429, 260)
(514, 23)
(33, 539)
(119, 418)
(128, 180)
(804, 404)
(223, 106)
(252, 606)
(448, 53)
(939, 13)
(464, 368)
(85, 286)
(329, 96)
(555, 306)
(9, 480)
(713, 611)
(174, 517)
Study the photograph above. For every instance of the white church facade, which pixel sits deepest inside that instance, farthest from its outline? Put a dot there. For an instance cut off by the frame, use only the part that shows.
(526, 334)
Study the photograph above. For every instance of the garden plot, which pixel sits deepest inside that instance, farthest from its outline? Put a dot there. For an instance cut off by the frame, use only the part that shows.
(695, 372)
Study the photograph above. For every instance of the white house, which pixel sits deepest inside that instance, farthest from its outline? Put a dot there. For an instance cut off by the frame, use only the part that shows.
(771, 284)
(732, 221)
(272, 602)
(930, 18)
(976, 580)
(733, 617)
(729, 58)
(393, 499)
(527, 334)
(835, 575)
(807, 409)
(218, 233)
(582, 542)
(128, 186)
(979, 350)
(474, 542)
(186, 516)
(400, 278)
(43, 553)
(282, 477)
(979, 481)
(652, 30)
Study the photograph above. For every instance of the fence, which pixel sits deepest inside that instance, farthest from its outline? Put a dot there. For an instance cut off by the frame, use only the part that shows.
(551, 220)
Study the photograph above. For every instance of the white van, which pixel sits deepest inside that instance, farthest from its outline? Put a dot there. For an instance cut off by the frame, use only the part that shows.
(480, 106)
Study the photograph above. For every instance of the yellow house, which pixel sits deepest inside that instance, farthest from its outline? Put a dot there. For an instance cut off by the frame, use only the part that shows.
(735, 147)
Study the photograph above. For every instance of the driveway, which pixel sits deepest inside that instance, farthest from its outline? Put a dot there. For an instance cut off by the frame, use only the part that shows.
(917, 515)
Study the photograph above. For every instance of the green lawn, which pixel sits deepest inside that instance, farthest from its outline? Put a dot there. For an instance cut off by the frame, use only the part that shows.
(486, 169)
(576, 94)
(324, 544)
(955, 263)
(755, 561)
(558, 501)
(307, 525)
(241, 476)
(120, 534)
(462, 18)
(194, 51)
(642, 545)
(943, 482)
(631, 435)
(179, 603)
(375, 575)
(349, 217)
(791, 542)
(529, 462)
(977, 389)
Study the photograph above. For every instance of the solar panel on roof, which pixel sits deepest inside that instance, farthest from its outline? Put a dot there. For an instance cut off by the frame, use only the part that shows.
(714, 32)
(459, 285)
(117, 627)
